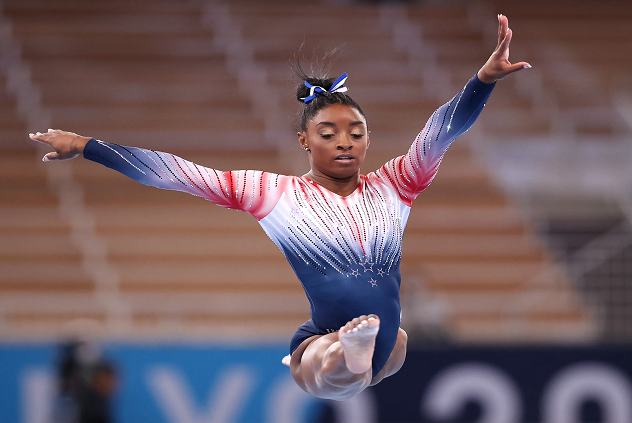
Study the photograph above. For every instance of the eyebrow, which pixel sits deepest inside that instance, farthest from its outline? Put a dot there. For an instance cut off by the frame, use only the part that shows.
(356, 123)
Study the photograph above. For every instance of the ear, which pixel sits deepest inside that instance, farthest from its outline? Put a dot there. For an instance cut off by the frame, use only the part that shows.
(368, 139)
(302, 139)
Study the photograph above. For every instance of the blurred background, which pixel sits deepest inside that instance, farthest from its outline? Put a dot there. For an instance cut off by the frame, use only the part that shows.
(517, 266)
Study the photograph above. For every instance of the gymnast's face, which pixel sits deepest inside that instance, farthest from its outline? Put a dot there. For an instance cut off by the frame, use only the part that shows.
(337, 138)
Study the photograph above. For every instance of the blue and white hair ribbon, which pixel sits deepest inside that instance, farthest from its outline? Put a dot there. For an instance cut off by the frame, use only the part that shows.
(315, 90)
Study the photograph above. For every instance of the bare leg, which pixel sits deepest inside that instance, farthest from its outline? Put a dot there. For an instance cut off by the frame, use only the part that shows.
(319, 366)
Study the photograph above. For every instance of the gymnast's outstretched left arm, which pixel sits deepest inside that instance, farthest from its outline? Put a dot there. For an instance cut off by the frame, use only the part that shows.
(413, 172)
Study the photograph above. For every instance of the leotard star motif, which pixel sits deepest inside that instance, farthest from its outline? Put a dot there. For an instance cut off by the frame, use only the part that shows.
(368, 266)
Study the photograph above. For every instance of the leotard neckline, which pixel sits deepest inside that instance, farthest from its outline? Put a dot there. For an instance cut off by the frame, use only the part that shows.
(344, 197)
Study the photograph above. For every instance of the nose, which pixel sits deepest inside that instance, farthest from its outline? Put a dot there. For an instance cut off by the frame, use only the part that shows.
(344, 143)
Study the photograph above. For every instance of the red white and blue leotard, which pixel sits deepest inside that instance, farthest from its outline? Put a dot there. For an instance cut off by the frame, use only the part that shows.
(345, 251)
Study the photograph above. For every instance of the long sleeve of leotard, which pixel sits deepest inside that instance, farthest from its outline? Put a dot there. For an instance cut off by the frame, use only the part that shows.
(411, 173)
(252, 191)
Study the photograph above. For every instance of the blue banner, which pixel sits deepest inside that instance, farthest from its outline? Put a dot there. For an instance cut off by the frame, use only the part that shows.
(205, 383)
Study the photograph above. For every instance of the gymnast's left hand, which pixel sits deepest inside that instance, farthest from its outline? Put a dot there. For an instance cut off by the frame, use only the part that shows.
(498, 65)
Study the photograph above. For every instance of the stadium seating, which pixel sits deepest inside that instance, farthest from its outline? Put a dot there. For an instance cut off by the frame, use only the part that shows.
(168, 75)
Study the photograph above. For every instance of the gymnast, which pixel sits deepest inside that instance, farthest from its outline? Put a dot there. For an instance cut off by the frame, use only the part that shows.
(340, 230)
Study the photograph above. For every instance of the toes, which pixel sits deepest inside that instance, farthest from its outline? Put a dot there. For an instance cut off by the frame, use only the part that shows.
(360, 323)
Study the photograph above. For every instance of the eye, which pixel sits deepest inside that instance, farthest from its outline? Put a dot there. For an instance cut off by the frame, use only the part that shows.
(357, 136)
(327, 136)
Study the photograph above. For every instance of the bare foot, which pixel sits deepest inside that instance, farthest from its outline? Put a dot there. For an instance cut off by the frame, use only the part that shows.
(358, 342)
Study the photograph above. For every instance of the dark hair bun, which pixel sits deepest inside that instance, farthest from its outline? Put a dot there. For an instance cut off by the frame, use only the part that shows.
(302, 91)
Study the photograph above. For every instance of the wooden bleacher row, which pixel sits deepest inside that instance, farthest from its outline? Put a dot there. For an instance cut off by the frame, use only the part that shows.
(180, 260)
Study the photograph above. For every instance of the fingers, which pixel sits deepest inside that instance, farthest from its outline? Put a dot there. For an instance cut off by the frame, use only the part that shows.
(504, 45)
(50, 156)
(498, 65)
(516, 67)
(503, 52)
(503, 24)
(44, 137)
(500, 38)
(38, 136)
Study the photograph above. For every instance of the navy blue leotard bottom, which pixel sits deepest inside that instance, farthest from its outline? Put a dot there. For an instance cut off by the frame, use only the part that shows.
(306, 330)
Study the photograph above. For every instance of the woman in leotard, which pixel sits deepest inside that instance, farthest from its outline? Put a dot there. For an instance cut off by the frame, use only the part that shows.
(341, 231)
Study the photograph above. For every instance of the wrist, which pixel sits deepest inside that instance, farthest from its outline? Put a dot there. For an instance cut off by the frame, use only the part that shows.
(484, 77)
(79, 143)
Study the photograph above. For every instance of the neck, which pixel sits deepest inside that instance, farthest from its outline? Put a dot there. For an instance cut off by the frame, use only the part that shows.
(340, 186)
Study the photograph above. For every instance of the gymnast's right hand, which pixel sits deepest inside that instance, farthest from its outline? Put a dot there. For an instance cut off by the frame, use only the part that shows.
(67, 145)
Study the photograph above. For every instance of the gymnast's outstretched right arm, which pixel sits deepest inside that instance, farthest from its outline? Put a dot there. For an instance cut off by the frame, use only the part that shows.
(252, 191)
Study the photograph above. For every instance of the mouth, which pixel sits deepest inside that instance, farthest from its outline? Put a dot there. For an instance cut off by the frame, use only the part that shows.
(345, 158)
